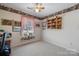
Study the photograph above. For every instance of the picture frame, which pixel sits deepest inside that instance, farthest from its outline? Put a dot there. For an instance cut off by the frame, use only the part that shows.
(6, 22)
(16, 26)
(38, 25)
(16, 29)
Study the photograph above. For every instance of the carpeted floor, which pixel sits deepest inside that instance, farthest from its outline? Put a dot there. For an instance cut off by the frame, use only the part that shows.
(41, 49)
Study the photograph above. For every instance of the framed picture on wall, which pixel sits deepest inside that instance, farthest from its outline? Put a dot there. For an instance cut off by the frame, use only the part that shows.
(16, 29)
(37, 24)
(16, 26)
(17, 23)
(6, 22)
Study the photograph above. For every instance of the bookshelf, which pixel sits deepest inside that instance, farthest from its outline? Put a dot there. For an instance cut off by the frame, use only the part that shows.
(55, 23)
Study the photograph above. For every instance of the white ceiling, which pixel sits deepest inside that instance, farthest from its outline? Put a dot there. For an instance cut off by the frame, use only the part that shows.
(50, 8)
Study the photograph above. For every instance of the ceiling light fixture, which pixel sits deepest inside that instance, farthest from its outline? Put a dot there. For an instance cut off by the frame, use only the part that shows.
(39, 7)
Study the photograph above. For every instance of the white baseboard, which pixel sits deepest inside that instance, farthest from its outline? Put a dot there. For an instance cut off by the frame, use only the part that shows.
(24, 43)
(60, 45)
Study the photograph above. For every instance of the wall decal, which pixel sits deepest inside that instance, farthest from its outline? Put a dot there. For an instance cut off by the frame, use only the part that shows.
(27, 28)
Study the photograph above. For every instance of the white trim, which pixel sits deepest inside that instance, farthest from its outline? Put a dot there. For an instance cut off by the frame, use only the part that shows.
(65, 47)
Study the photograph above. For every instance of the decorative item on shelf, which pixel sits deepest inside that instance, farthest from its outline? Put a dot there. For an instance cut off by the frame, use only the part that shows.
(6, 22)
(55, 23)
(49, 22)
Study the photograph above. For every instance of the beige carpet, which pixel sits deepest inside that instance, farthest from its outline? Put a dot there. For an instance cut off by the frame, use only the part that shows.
(41, 49)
